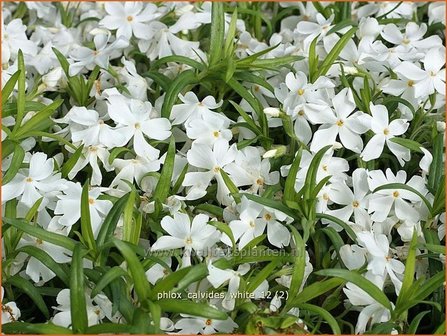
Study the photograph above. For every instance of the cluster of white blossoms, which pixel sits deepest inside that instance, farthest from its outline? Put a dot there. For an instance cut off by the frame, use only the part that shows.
(358, 136)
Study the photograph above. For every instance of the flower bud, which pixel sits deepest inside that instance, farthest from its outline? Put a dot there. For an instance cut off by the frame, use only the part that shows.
(272, 112)
(275, 152)
(440, 126)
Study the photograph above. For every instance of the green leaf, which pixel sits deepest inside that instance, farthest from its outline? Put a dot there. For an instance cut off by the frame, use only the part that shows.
(168, 283)
(440, 330)
(9, 87)
(440, 249)
(163, 81)
(51, 136)
(34, 328)
(185, 78)
(71, 162)
(437, 165)
(156, 315)
(177, 59)
(234, 191)
(289, 186)
(161, 191)
(429, 286)
(315, 289)
(335, 52)
(20, 91)
(324, 314)
(191, 308)
(375, 292)
(115, 152)
(16, 163)
(390, 100)
(253, 57)
(408, 188)
(38, 122)
(111, 275)
(142, 286)
(230, 35)
(128, 218)
(224, 228)
(217, 33)
(229, 72)
(26, 287)
(274, 63)
(47, 260)
(341, 25)
(86, 224)
(109, 225)
(42, 234)
(254, 103)
(413, 327)
(410, 267)
(311, 176)
(108, 328)
(338, 221)
(410, 144)
(197, 273)
(78, 305)
(272, 204)
(262, 275)
(141, 322)
(298, 266)
(253, 127)
(258, 80)
(63, 62)
(10, 109)
(313, 60)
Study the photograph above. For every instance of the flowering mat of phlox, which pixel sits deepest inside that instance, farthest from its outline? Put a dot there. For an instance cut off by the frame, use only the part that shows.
(239, 168)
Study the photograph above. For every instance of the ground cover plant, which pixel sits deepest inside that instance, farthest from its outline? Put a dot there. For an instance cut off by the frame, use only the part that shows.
(201, 168)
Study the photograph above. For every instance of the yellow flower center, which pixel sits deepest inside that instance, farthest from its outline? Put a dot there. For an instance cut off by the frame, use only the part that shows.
(340, 123)
(410, 83)
(130, 18)
(98, 86)
(326, 197)
(91, 201)
(216, 169)
(216, 134)
(252, 224)
(29, 179)
(137, 125)
(92, 149)
(386, 131)
(188, 241)
(300, 113)
(208, 322)
(267, 217)
(300, 92)
(355, 204)
(260, 181)
(396, 194)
